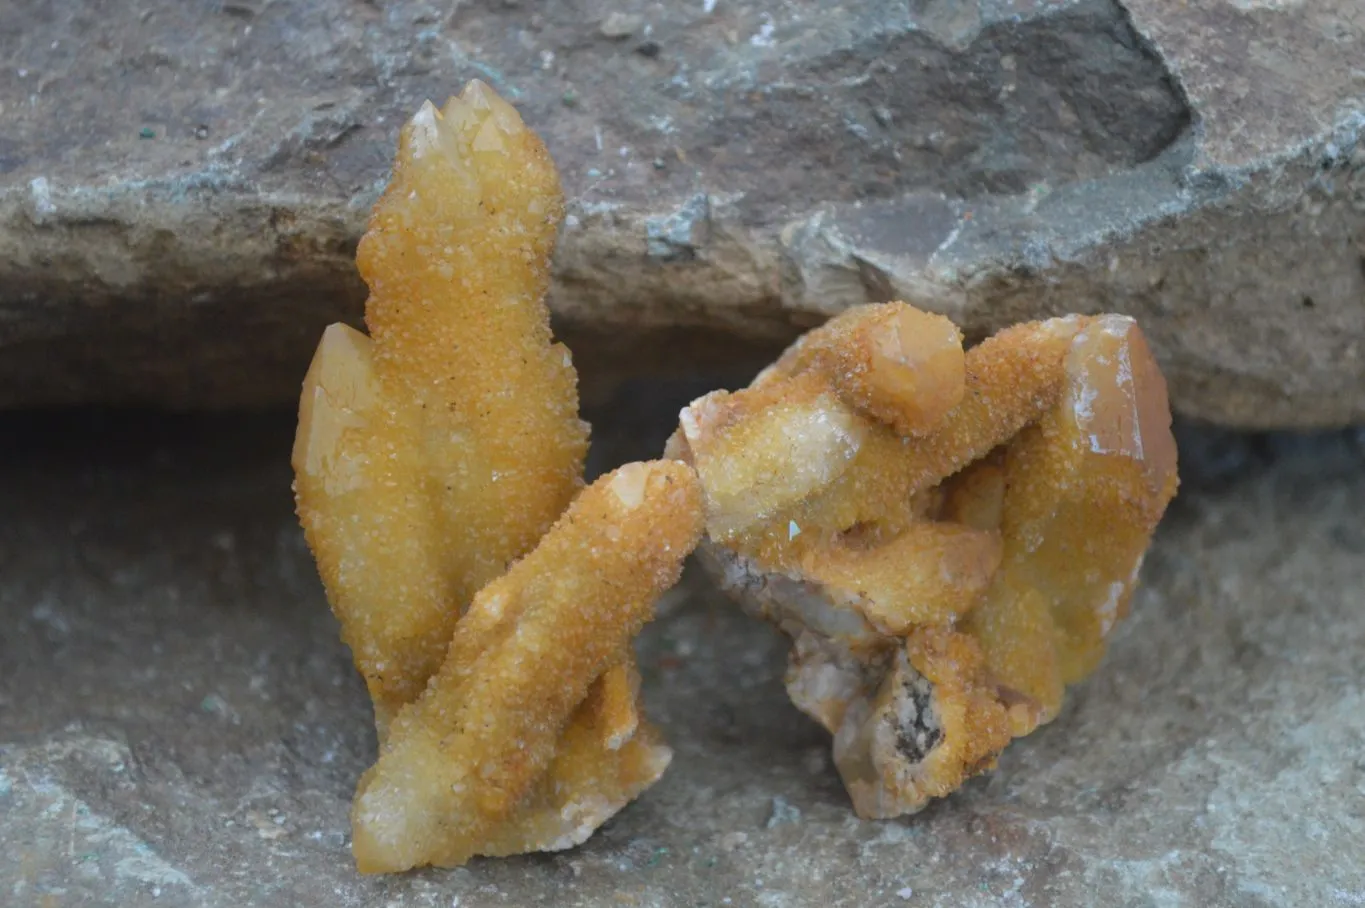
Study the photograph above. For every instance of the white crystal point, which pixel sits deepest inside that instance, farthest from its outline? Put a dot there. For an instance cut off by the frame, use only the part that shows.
(479, 106)
(424, 130)
(338, 392)
(430, 132)
(629, 485)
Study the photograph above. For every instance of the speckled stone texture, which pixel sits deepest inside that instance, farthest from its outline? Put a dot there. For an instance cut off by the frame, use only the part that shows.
(180, 726)
(182, 184)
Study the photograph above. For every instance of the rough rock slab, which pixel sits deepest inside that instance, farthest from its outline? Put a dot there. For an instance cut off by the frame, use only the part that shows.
(181, 727)
(182, 184)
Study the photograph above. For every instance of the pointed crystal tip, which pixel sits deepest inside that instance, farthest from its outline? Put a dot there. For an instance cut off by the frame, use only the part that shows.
(475, 120)
(337, 391)
(479, 106)
(424, 130)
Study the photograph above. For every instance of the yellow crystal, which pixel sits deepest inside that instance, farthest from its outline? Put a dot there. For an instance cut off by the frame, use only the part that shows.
(431, 456)
(946, 577)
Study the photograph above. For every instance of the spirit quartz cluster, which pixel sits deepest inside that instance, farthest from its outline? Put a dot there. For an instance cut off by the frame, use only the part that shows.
(947, 536)
(488, 599)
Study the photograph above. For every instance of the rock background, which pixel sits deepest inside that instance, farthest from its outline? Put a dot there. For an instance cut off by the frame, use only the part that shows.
(182, 185)
(182, 182)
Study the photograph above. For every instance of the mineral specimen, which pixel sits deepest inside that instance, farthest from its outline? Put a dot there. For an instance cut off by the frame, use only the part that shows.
(948, 537)
(431, 455)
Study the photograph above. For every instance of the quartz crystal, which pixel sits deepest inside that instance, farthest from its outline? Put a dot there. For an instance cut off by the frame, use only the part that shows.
(948, 536)
(432, 457)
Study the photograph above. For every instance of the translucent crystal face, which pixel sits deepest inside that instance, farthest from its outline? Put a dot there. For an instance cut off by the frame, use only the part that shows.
(339, 393)
(1117, 397)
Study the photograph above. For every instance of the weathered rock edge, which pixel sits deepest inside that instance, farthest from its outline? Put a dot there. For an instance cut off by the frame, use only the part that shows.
(737, 172)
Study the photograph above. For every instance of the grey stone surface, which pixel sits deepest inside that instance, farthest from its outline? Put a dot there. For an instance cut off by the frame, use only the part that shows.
(179, 725)
(182, 183)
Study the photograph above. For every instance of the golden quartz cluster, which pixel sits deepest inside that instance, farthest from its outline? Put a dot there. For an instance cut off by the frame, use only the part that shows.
(947, 536)
(489, 600)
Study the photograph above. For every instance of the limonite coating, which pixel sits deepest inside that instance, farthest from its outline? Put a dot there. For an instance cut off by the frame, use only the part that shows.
(432, 457)
(949, 536)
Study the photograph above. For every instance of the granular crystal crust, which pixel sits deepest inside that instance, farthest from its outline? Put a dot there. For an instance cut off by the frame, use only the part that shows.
(494, 724)
(947, 536)
(431, 456)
